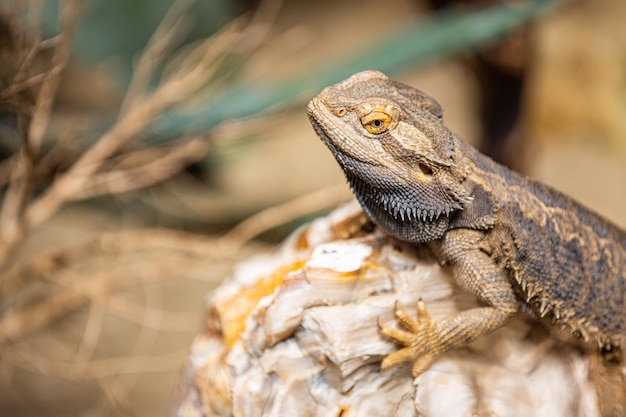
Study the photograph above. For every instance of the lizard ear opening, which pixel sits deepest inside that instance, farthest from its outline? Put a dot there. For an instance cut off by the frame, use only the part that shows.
(426, 170)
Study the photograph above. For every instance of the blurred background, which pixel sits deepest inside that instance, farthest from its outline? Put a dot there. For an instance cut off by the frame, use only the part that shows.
(146, 146)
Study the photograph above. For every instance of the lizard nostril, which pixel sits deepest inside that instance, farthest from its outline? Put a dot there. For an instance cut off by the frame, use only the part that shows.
(340, 111)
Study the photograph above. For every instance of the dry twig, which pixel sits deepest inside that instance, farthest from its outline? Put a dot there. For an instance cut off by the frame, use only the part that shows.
(86, 177)
(283, 213)
(48, 264)
(16, 197)
(173, 90)
(16, 323)
(79, 291)
(171, 161)
(115, 164)
(161, 41)
(95, 369)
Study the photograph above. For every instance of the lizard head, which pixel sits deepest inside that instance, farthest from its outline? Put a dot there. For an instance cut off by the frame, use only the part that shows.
(396, 153)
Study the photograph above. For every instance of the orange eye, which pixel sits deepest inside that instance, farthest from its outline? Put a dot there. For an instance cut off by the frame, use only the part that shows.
(376, 122)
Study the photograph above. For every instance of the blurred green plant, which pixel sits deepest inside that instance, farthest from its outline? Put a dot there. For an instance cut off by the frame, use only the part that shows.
(417, 44)
(122, 28)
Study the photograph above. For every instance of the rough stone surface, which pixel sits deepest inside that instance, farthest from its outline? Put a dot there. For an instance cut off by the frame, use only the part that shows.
(296, 333)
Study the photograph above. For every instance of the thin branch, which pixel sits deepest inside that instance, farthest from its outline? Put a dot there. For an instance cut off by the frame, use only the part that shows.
(15, 324)
(261, 23)
(60, 57)
(152, 317)
(6, 167)
(26, 319)
(113, 243)
(163, 38)
(179, 82)
(278, 215)
(16, 197)
(211, 248)
(116, 398)
(138, 118)
(96, 369)
(158, 169)
(17, 87)
(92, 333)
(23, 71)
(145, 341)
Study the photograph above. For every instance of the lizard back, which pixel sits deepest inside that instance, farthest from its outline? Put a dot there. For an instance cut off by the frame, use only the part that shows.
(567, 262)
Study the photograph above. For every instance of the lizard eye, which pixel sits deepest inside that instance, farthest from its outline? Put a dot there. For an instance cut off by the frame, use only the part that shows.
(376, 122)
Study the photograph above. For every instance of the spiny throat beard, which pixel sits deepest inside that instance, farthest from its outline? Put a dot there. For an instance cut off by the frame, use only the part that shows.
(400, 214)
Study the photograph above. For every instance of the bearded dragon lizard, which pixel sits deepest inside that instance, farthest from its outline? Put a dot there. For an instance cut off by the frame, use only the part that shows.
(516, 244)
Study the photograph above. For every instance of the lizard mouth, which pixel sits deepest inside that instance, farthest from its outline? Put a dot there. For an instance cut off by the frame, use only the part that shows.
(350, 154)
(319, 130)
(313, 109)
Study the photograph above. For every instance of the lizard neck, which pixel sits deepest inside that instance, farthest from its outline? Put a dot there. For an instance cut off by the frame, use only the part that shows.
(396, 214)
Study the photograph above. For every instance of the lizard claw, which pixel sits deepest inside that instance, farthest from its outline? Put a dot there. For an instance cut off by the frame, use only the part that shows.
(421, 339)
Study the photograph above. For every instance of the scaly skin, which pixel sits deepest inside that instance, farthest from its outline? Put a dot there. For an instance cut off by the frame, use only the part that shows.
(518, 245)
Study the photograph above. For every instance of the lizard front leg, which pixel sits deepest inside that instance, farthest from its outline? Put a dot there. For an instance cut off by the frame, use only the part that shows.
(425, 339)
